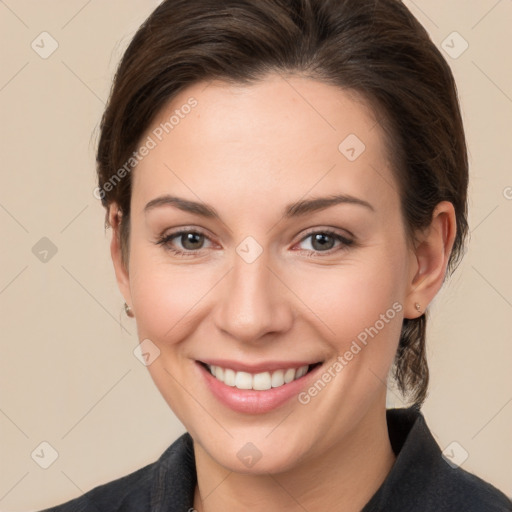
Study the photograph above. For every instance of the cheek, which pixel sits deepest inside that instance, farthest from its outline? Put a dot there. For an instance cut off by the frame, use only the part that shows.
(361, 308)
(166, 298)
(354, 296)
(162, 294)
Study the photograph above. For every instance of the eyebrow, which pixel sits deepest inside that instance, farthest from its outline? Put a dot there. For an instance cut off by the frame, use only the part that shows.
(297, 209)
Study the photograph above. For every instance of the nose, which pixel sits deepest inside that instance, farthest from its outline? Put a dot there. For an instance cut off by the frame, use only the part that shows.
(253, 302)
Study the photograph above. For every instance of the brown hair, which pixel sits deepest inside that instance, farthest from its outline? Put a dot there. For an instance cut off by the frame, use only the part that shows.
(374, 47)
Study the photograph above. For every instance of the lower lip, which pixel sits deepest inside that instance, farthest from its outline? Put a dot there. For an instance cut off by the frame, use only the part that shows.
(249, 401)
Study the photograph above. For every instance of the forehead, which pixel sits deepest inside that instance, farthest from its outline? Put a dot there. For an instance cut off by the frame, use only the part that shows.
(282, 136)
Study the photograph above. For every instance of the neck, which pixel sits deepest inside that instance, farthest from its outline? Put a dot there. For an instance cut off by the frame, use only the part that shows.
(343, 478)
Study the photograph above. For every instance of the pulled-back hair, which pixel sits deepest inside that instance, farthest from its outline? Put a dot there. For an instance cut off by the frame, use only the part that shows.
(373, 47)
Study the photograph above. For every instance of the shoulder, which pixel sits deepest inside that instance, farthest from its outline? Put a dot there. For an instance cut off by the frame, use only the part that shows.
(458, 488)
(422, 478)
(141, 489)
(450, 486)
(123, 494)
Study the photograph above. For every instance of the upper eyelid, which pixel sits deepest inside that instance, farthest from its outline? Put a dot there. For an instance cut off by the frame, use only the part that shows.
(344, 240)
(329, 231)
(183, 230)
(165, 237)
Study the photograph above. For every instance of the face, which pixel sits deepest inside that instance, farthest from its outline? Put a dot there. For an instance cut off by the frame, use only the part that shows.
(267, 241)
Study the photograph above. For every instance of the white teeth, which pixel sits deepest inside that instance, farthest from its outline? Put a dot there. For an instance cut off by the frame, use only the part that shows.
(259, 381)
(262, 381)
(301, 372)
(243, 380)
(289, 375)
(219, 373)
(278, 378)
(229, 377)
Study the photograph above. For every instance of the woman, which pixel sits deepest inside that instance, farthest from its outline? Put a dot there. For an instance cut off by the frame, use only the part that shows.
(286, 181)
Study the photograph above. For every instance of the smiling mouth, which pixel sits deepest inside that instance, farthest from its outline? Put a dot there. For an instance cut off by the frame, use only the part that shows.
(258, 381)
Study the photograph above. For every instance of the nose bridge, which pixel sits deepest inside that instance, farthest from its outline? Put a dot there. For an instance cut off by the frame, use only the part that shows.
(253, 303)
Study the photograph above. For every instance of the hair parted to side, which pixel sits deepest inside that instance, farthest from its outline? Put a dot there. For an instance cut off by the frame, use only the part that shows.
(373, 47)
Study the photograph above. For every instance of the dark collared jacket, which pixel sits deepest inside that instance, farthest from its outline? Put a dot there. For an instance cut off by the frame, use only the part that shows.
(421, 480)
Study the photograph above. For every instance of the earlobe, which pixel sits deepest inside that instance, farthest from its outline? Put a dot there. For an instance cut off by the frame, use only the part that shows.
(121, 272)
(432, 253)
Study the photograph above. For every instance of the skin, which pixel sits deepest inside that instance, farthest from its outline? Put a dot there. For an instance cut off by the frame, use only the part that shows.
(248, 151)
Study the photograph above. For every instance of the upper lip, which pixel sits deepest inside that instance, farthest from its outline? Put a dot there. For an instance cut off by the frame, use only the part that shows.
(267, 366)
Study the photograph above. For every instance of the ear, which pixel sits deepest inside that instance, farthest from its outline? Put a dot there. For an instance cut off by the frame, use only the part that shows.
(120, 268)
(432, 251)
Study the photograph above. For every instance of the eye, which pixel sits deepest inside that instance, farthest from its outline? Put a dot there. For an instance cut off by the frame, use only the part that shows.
(325, 241)
(188, 241)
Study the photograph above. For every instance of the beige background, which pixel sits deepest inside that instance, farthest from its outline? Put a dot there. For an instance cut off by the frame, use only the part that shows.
(68, 375)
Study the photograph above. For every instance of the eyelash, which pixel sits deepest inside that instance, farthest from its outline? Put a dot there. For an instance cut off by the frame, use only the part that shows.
(166, 239)
(345, 242)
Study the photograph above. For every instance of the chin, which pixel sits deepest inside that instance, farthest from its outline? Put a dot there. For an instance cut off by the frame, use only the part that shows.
(248, 459)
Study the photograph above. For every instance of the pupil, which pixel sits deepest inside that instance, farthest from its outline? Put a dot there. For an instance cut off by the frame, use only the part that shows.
(189, 239)
(324, 241)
